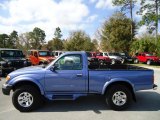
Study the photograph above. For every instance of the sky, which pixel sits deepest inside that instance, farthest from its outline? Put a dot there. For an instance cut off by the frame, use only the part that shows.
(88, 15)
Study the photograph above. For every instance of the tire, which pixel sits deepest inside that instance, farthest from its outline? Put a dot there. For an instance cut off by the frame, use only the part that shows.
(148, 62)
(113, 61)
(24, 94)
(136, 61)
(115, 95)
(101, 62)
(123, 61)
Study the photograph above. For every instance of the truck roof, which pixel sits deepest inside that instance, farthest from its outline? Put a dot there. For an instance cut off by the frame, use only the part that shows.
(8, 49)
(75, 52)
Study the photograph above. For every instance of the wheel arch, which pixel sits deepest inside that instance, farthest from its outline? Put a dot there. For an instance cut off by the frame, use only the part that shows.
(126, 83)
(27, 82)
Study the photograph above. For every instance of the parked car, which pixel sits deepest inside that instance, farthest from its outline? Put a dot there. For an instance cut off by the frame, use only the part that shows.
(114, 57)
(38, 57)
(147, 58)
(125, 56)
(93, 62)
(68, 78)
(57, 53)
(103, 60)
(12, 59)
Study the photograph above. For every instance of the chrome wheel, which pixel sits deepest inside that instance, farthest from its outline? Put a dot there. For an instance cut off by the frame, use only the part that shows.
(119, 98)
(148, 62)
(113, 61)
(136, 61)
(25, 99)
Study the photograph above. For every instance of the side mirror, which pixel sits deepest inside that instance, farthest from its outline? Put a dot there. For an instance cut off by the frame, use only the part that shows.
(53, 68)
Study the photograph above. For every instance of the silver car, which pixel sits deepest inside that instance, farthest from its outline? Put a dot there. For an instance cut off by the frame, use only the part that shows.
(114, 58)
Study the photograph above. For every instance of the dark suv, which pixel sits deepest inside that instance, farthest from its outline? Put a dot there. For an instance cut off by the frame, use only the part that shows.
(11, 59)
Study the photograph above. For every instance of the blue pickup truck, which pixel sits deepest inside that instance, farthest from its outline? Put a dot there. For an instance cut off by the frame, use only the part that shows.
(70, 77)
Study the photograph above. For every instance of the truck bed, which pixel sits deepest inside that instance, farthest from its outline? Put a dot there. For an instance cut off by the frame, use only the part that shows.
(118, 67)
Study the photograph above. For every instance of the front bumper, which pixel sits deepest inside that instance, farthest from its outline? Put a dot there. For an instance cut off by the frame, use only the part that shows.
(6, 89)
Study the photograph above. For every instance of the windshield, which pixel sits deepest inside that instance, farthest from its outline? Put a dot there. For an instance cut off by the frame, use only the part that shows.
(111, 54)
(105, 54)
(149, 54)
(11, 53)
(117, 54)
(99, 54)
(122, 54)
(45, 53)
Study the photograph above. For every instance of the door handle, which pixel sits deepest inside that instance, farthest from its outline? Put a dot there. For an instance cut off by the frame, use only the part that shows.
(79, 75)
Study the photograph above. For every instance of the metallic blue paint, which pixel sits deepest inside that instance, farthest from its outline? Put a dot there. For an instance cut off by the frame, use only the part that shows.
(67, 83)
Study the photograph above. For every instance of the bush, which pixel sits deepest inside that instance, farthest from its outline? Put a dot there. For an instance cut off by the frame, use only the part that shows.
(145, 44)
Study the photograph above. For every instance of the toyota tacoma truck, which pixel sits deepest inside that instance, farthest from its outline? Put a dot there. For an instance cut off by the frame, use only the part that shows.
(68, 78)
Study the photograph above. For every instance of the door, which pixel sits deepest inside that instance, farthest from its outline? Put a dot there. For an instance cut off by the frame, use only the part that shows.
(143, 58)
(68, 75)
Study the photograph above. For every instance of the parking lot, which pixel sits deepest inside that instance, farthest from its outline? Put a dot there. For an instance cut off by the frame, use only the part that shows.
(147, 107)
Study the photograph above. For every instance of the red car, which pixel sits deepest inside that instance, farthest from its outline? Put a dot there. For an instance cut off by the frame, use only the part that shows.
(102, 59)
(147, 58)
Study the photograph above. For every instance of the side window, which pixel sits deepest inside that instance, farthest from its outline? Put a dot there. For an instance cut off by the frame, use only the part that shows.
(143, 55)
(69, 62)
(35, 54)
(31, 53)
(56, 53)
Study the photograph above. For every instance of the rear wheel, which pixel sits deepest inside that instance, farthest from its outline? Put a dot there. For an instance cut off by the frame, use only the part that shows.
(136, 61)
(118, 97)
(148, 62)
(26, 98)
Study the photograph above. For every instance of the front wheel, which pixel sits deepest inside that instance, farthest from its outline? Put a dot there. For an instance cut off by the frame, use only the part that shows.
(136, 61)
(113, 61)
(26, 98)
(118, 97)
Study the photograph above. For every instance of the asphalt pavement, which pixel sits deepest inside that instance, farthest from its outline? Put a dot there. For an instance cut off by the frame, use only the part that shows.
(147, 107)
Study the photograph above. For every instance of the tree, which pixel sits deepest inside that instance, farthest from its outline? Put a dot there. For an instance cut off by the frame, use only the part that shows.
(96, 45)
(55, 44)
(24, 42)
(37, 38)
(126, 4)
(13, 38)
(115, 33)
(144, 44)
(79, 40)
(150, 14)
(57, 33)
(4, 41)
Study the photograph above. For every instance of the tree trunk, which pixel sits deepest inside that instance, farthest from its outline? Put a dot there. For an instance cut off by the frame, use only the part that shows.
(156, 3)
(131, 13)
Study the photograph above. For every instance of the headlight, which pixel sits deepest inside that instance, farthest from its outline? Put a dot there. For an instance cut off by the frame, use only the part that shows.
(8, 78)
